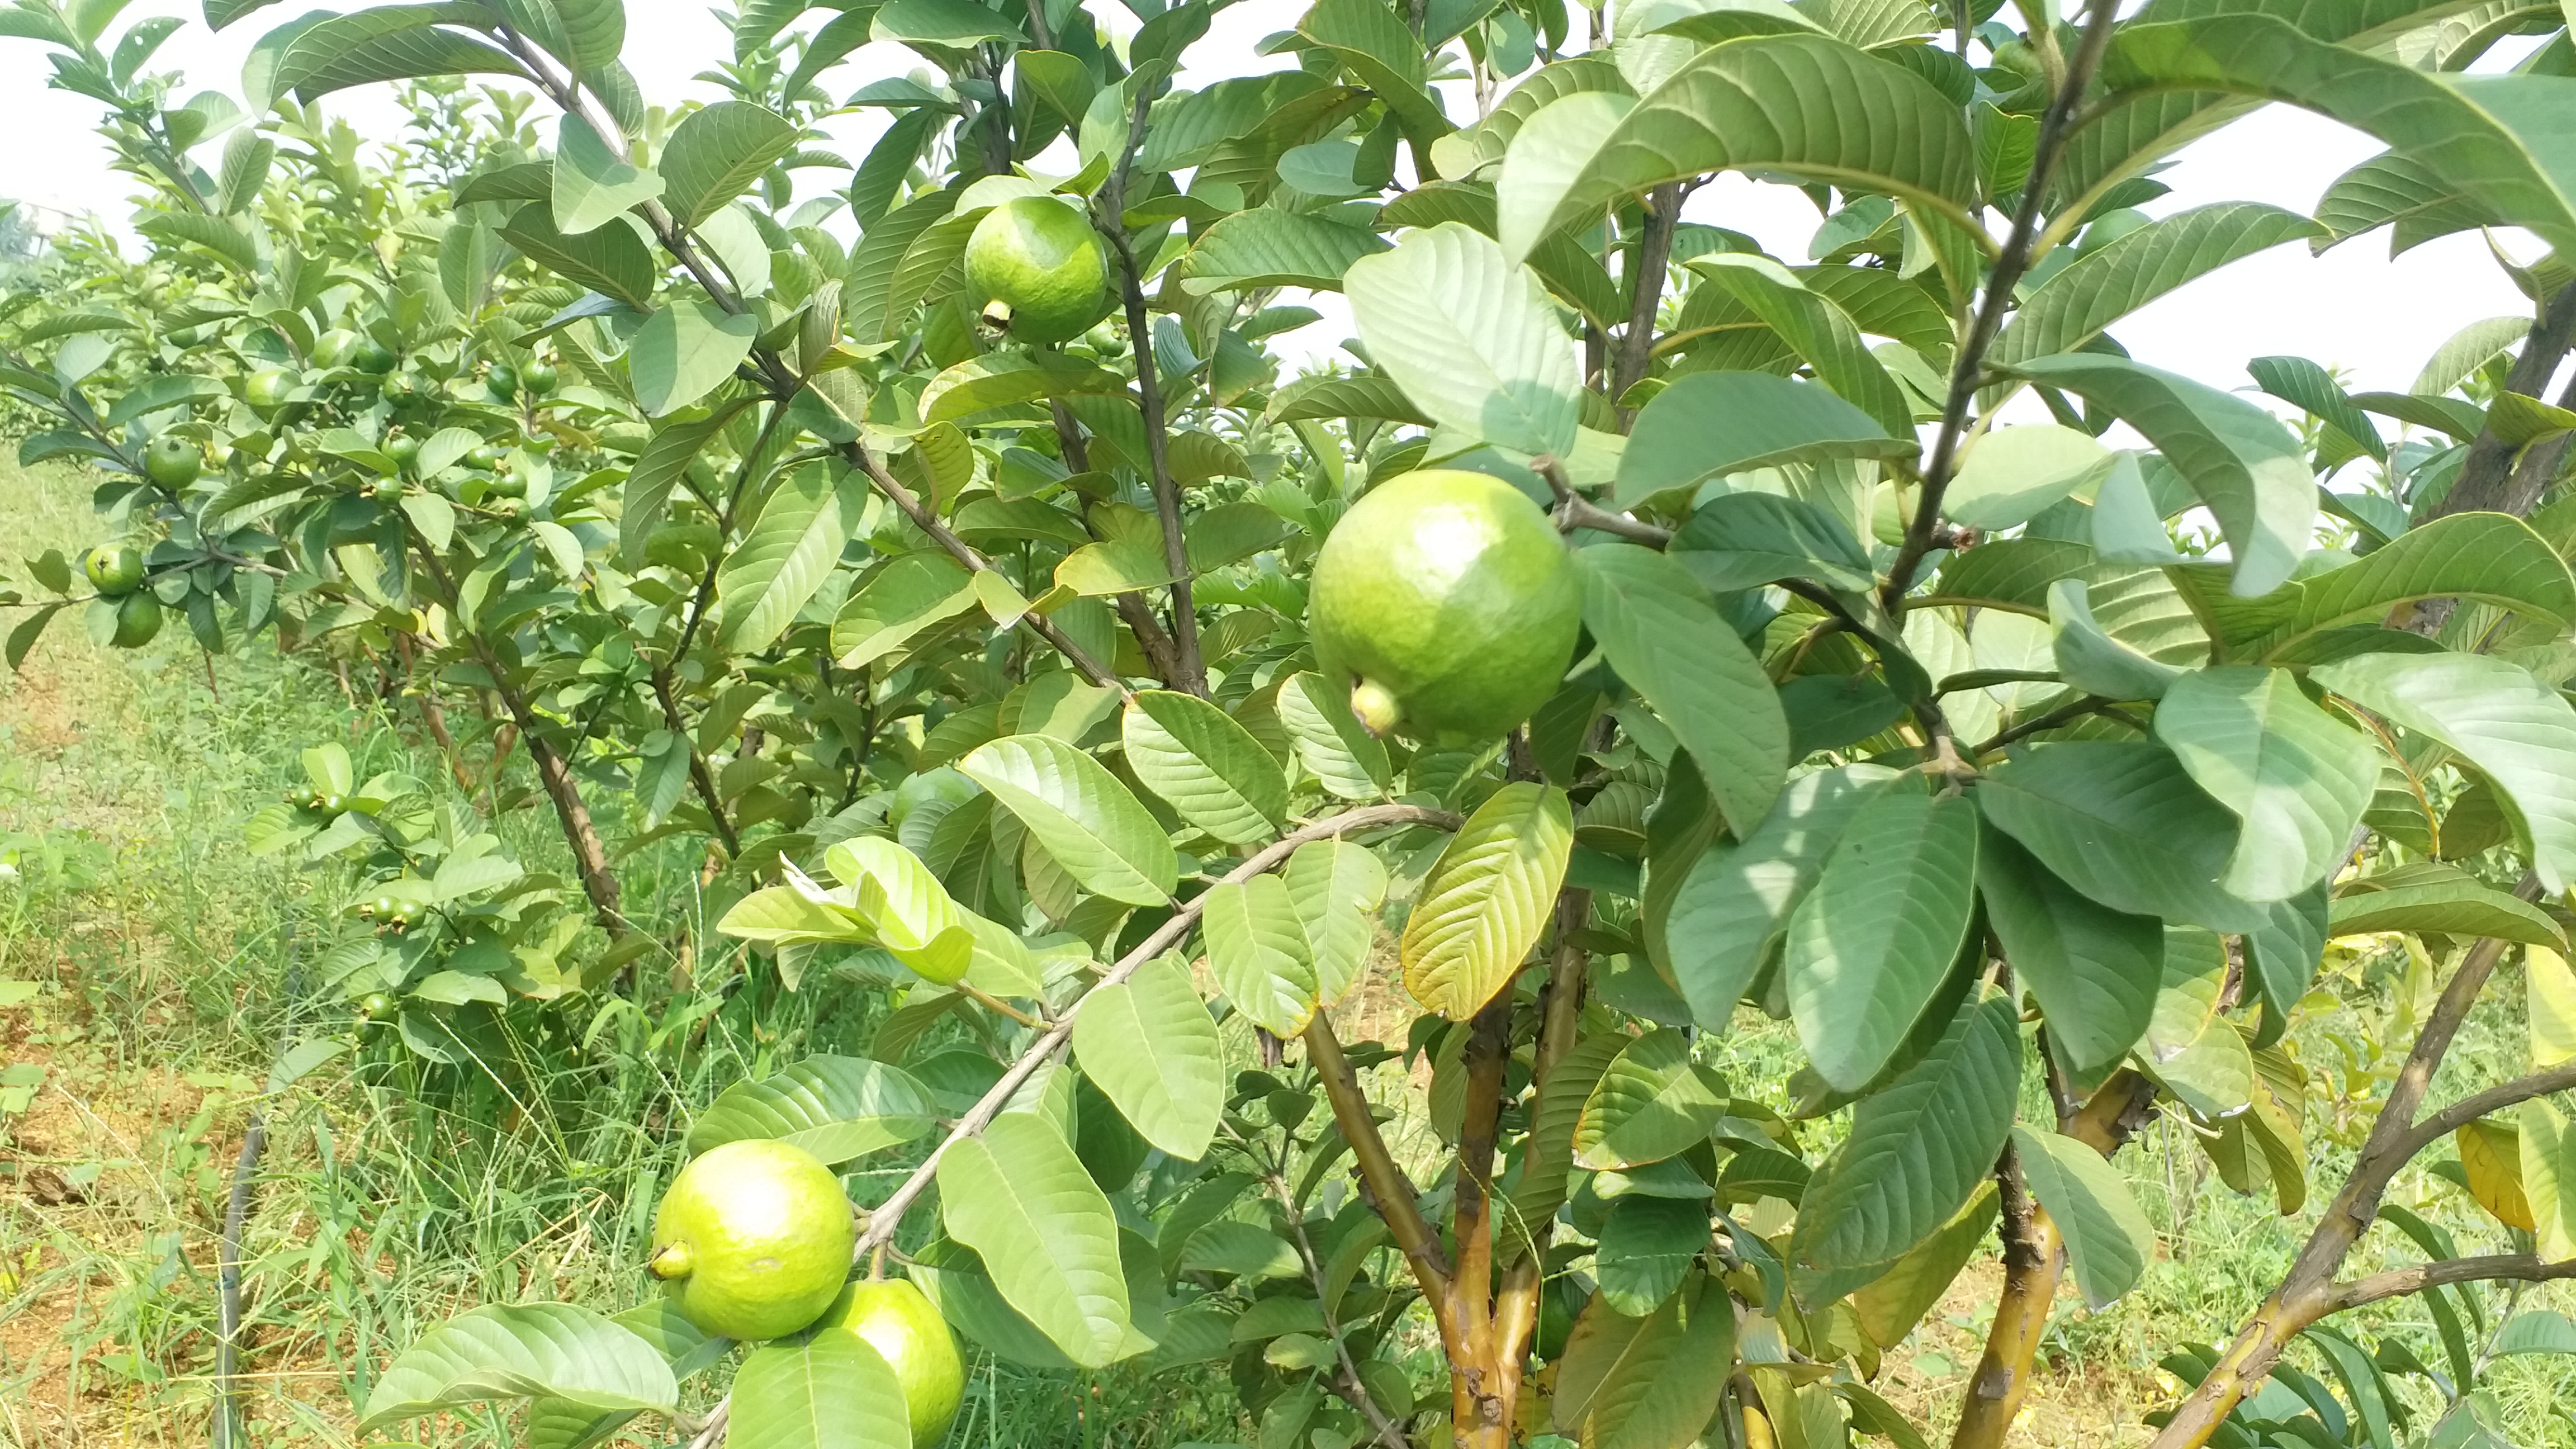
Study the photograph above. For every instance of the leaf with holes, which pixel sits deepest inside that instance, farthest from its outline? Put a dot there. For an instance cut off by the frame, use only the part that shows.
(1487, 898)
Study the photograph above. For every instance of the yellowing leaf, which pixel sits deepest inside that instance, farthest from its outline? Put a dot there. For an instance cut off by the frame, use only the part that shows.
(1487, 898)
(2549, 991)
(2492, 1154)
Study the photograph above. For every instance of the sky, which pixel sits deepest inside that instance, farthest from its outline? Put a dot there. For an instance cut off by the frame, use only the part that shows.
(2354, 308)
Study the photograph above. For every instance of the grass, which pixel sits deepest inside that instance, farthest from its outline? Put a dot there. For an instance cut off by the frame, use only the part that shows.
(391, 1197)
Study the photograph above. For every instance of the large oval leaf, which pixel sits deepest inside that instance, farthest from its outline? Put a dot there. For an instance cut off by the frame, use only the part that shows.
(2107, 1236)
(1918, 1148)
(1020, 1198)
(1208, 768)
(2249, 469)
(837, 1108)
(1256, 948)
(1712, 424)
(830, 1391)
(2101, 287)
(1345, 759)
(2296, 777)
(1668, 642)
(1651, 1102)
(1487, 898)
(2122, 823)
(1471, 338)
(1868, 948)
(776, 570)
(2517, 731)
(1801, 105)
(1101, 834)
(2093, 970)
(1732, 906)
(1149, 1043)
(1336, 887)
(2429, 898)
(909, 911)
(558, 1350)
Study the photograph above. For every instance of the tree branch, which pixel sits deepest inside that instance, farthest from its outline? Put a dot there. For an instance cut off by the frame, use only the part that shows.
(1647, 263)
(2398, 1282)
(883, 1219)
(1967, 370)
(1352, 1389)
(2488, 478)
(2468, 1109)
(1111, 223)
(2308, 1292)
(910, 505)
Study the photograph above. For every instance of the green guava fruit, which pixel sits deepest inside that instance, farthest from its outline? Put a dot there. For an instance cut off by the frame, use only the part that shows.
(1041, 267)
(502, 382)
(1446, 604)
(539, 378)
(173, 462)
(403, 448)
(267, 388)
(113, 569)
(753, 1239)
(335, 347)
(372, 358)
(138, 618)
(902, 1325)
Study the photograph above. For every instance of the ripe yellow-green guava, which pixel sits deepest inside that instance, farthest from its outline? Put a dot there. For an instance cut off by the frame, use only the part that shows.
(1041, 268)
(1445, 603)
(753, 1239)
(901, 1324)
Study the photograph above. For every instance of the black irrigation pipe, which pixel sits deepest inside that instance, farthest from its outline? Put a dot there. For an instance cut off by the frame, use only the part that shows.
(228, 1420)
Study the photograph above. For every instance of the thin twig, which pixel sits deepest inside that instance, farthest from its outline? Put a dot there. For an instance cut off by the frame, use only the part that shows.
(1967, 371)
(884, 1218)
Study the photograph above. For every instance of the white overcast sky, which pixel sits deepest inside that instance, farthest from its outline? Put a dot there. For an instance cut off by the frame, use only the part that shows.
(2352, 308)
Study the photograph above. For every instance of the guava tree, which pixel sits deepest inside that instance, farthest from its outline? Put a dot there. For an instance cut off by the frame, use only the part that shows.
(1647, 627)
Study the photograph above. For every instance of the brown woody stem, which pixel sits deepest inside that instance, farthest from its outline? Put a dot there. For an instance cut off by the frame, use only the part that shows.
(2309, 1292)
(1967, 370)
